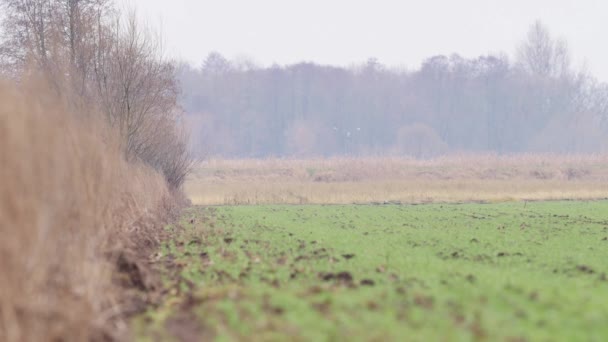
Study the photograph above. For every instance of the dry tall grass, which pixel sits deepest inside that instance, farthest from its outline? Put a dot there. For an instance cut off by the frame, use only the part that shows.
(364, 180)
(70, 208)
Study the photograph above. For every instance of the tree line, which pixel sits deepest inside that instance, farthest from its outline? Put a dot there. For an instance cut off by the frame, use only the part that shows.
(535, 102)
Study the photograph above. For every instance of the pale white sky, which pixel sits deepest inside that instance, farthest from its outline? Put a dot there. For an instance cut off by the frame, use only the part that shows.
(398, 33)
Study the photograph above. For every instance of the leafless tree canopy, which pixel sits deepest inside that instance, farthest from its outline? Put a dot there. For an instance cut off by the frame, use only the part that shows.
(95, 56)
(542, 55)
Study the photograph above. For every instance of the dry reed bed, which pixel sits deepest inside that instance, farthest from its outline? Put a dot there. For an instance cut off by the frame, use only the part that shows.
(365, 180)
(70, 207)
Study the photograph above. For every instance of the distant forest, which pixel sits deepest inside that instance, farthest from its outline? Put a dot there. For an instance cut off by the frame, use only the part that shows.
(536, 102)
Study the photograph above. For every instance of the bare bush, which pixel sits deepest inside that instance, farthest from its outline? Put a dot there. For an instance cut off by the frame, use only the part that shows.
(166, 149)
(419, 141)
(302, 138)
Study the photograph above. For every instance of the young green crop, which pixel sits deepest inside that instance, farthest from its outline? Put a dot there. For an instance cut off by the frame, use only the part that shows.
(512, 271)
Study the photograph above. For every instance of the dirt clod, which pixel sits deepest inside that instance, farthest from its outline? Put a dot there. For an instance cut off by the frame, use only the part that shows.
(348, 256)
(345, 277)
(368, 282)
(585, 269)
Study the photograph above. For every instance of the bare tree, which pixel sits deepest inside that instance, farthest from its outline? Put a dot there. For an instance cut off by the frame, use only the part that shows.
(138, 91)
(543, 55)
(26, 31)
(58, 34)
(96, 58)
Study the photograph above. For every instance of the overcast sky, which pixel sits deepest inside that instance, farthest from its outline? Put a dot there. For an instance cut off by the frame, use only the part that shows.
(398, 33)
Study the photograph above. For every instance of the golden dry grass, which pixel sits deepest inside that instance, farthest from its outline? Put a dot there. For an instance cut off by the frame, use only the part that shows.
(367, 180)
(69, 207)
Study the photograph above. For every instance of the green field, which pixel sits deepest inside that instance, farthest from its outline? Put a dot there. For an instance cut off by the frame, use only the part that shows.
(496, 272)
